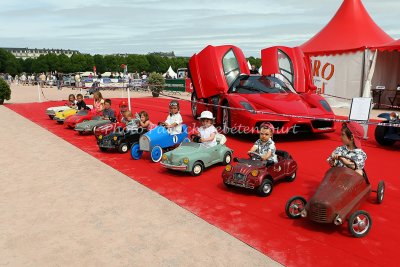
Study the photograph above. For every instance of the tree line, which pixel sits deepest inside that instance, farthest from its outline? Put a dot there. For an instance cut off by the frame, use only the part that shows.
(85, 62)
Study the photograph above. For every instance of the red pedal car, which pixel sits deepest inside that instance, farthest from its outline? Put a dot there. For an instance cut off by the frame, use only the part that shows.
(255, 173)
(242, 102)
(81, 116)
(337, 200)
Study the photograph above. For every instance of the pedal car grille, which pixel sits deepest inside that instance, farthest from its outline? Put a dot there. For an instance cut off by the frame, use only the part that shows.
(318, 213)
(239, 177)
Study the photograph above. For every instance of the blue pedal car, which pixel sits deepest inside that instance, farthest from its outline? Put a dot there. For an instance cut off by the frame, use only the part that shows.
(387, 135)
(156, 140)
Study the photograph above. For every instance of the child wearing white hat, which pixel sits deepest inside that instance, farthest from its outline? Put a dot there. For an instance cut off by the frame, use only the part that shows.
(207, 130)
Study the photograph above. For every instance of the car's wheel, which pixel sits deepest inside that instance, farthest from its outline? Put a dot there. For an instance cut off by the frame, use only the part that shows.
(156, 154)
(265, 189)
(136, 153)
(123, 148)
(80, 132)
(380, 132)
(186, 140)
(294, 206)
(197, 168)
(228, 185)
(60, 122)
(360, 223)
(380, 192)
(103, 149)
(51, 117)
(292, 177)
(226, 118)
(227, 158)
(194, 105)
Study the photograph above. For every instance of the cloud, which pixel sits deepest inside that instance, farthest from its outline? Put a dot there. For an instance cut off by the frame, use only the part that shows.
(142, 26)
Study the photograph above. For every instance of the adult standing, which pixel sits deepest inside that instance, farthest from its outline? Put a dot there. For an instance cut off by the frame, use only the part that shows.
(77, 80)
(42, 80)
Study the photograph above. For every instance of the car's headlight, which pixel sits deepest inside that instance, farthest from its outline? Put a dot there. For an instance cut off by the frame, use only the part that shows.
(186, 160)
(164, 157)
(100, 137)
(228, 168)
(254, 173)
(248, 107)
(115, 138)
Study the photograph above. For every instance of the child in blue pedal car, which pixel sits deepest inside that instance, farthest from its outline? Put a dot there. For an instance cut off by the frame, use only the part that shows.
(174, 121)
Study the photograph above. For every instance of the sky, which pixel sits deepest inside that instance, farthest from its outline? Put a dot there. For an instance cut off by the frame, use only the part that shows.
(182, 26)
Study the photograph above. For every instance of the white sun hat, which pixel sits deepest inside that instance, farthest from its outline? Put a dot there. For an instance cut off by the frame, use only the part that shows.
(206, 115)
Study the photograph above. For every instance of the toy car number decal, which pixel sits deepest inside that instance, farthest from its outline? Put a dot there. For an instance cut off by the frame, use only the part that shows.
(175, 139)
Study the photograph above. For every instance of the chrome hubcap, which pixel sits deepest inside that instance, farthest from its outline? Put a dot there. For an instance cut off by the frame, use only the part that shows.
(360, 224)
(197, 169)
(267, 188)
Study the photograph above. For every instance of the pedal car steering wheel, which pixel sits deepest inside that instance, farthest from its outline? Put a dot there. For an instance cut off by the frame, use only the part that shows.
(195, 138)
(343, 157)
(161, 123)
(255, 156)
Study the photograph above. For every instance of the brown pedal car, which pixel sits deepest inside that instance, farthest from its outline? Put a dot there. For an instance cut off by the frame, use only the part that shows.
(337, 200)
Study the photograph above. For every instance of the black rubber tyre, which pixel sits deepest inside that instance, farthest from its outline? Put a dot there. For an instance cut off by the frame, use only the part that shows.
(380, 192)
(380, 132)
(197, 168)
(123, 148)
(294, 206)
(265, 189)
(194, 105)
(360, 223)
(227, 158)
(292, 177)
(51, 117)
(226, 119)
(103, 149)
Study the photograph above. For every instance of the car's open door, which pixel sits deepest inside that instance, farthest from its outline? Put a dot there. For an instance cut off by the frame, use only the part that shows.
(290, 65)
(215, 68)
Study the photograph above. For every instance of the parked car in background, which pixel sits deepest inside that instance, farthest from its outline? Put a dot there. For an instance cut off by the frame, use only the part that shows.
(388, 135)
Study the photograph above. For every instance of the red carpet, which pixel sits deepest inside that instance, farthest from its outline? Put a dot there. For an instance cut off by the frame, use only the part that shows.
(261, 222)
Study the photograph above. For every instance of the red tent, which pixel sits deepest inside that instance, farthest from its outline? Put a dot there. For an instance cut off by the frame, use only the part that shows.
(351, 29)
(392, 46)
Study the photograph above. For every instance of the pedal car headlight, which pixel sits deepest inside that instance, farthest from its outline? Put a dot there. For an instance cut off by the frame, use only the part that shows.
(254, 173)
(115, 138)
(228, 168)
(303, 213)
(164, 157)
(186, 160)
(100, 137)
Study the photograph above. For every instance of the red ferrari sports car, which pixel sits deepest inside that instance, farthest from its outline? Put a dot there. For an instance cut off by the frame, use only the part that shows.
(283, 95)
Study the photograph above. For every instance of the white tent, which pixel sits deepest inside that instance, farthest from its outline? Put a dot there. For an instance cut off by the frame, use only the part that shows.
(171, 73)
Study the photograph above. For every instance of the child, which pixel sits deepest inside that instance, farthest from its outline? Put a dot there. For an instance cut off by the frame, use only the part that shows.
(108, 112)
(265, 146)
(98, 103)
(351, 135)
(129, 121)
(122, 108)
(71, 101)
(144, 121)
(174, 120)
(81, 105)
(208, 133)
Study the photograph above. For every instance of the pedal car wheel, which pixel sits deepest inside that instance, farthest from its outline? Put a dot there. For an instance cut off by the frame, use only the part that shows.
(380, 192)
(265, 189)
(123, 148)
(292, 177)
(51, 117)
(186, 140)
(294, 207)
(197, 168)
(226, 117)
(80, 132)
(227, 158)
(136, 153)
(103, 149)
(360, 223)
(380, 132)
(60, 122)
(156, 154)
